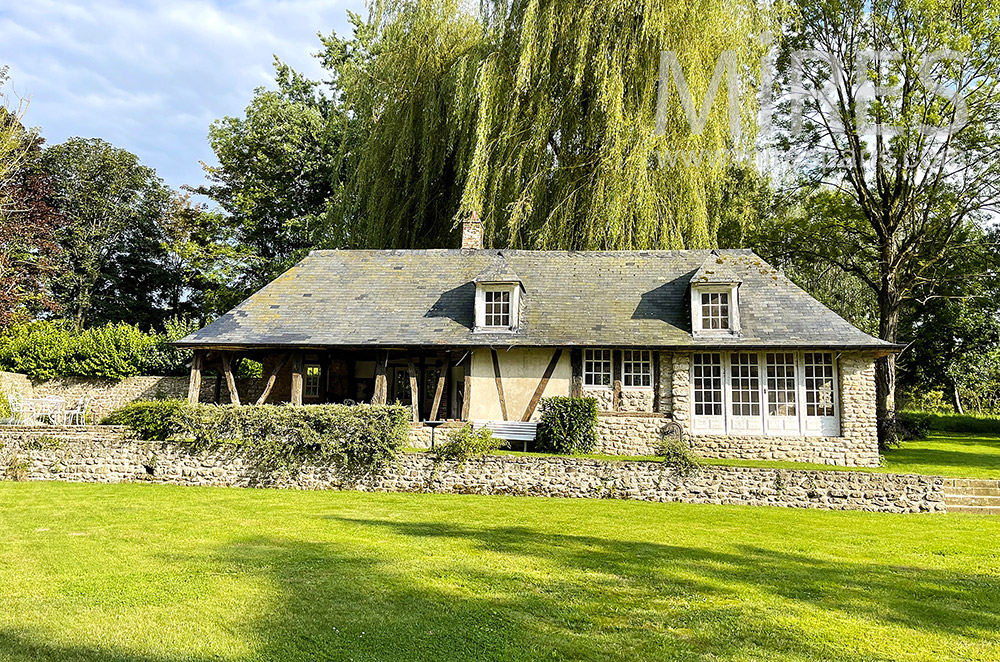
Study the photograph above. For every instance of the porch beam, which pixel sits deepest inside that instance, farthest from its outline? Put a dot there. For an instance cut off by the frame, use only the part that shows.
(656, 380)
(227, 368)
(499, 381)
(194, 384)
(576, 367)
(381, 393)
(273, 377)
(442, 376)
(298, 360)
(542, 383)
(414, 390)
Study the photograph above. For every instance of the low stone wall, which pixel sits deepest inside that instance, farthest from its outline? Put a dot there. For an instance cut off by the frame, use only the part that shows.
(838, 451)
(103, 455)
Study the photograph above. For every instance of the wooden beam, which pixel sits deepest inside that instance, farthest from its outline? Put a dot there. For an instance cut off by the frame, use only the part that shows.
(381, 393)
(499, 380)
(656, 380)
(227, 368)
(194, 384)
(466, 387)
(540, 389)
(576, 366)
(414, 390)
(616, 362)
(273, 377)
(298, 361)
(442, 376)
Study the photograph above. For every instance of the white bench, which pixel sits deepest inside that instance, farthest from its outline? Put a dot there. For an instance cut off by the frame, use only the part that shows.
(510, 430)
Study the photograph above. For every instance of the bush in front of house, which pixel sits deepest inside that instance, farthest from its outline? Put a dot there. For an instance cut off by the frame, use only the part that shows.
(358, 440)
(567, 426)
(47, 349)
(676, 454)
(150, 420)
(465, 443)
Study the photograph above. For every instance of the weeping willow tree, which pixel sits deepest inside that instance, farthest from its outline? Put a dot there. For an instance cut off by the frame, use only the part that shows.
(539, 116)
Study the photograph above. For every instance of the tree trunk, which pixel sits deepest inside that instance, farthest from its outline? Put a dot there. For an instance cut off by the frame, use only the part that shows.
(956, 399)
(889, 302)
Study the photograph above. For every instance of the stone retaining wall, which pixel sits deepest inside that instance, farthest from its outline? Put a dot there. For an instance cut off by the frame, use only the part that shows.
(103, 455)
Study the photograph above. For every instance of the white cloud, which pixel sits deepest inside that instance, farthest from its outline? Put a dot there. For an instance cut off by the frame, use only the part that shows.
(151, 76)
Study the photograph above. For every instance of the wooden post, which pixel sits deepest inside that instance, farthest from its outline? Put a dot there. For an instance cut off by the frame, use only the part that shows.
(381, 393)
(194, 385)
(442, 376)
(272, 378)
(466, 387)
(414, 391)
(499, 381)
(227, 367)
(576, 366)
(542, 383)
(217, 393)
(297, 378)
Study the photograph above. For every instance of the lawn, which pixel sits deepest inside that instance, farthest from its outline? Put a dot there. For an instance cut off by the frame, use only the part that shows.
(151, 573)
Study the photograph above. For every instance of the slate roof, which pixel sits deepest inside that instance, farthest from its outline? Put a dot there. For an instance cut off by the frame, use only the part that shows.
(718, 268)
(425, 298)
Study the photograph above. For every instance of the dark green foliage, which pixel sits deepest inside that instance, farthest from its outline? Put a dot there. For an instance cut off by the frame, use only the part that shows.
(150, 420)
(357, 440)
(43, 350)
(568, 425)
(676, 454)
(988, 425)
(909, 426)
(465, 443)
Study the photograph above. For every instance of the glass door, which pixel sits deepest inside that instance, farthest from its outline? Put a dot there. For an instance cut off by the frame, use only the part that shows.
(780, 389)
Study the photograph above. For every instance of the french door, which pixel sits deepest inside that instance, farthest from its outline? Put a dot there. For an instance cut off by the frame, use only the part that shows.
(706, 373)
(780, 388)
(744, 394)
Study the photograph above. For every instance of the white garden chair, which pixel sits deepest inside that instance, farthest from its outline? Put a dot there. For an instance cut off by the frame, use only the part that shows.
(17, 409)
(78, 414)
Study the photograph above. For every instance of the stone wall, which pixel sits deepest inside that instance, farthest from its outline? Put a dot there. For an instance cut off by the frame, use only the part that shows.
(109, 394)
(625, 434)
(102, 455)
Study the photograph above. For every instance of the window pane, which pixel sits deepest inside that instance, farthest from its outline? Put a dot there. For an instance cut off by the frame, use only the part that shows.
(781, 384)
(745, 376)
(597, 367)
(637, 368)
(707, 373)
(715, 311)
(819, 384)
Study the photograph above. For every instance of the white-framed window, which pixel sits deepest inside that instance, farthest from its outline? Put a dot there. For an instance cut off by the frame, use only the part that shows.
(775, 393)
(715, 310)
(707, 381)
(310, 387)
(637, 368)
(819, 384)
(496, 307)
(597, 368)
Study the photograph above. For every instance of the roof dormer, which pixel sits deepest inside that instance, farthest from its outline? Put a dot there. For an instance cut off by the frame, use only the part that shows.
(498, 298)
(715, 303)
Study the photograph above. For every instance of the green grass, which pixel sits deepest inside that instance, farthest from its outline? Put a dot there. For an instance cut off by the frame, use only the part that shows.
(150, 573)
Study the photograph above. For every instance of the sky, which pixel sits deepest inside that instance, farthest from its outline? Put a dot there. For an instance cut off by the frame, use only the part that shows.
(150, 77)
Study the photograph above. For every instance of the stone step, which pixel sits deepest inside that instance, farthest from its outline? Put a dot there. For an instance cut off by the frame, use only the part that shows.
(971, 491)
(951, 500)
(979, 510)
(972, 482)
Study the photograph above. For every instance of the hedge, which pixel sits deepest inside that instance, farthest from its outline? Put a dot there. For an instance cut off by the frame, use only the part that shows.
(43, 350)
(357, 440)
(567, 425)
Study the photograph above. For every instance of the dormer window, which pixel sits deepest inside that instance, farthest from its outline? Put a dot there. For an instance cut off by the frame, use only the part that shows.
(715, 311)
(497, 306)
(497, 313)
(498, 297)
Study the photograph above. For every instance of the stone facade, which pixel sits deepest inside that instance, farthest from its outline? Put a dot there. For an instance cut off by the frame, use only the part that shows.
(629, 435)
(103, 455)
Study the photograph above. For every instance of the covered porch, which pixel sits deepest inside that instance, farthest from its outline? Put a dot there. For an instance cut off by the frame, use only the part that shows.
(433, 383)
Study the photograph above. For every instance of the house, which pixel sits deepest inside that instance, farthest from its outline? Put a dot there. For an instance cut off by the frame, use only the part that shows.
(721, 342)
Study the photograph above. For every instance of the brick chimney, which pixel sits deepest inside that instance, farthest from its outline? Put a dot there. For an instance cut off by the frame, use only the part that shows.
(472, 233)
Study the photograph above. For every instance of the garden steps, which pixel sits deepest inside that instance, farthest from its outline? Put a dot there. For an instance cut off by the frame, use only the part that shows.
(972, 495)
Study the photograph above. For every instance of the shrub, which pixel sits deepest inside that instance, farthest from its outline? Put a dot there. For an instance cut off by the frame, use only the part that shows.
(150, 420)
(43, 350)
(465, 443)
(912, 425)
(676, 454)
(358, 440)
(964, 423)
(568, 425)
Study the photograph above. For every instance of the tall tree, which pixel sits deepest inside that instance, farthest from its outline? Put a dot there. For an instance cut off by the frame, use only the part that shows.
(905, 131)
(111, 245)
(28, 224)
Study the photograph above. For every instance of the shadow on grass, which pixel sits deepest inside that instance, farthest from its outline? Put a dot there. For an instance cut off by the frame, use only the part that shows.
(601, 599)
